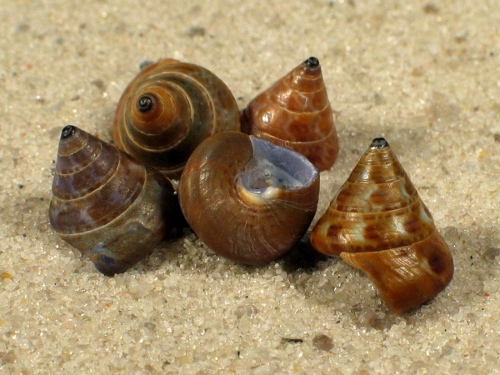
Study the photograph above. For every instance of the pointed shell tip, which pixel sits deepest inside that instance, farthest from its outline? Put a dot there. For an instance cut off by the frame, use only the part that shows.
(312, 62)
(68, 131)
(379, 143)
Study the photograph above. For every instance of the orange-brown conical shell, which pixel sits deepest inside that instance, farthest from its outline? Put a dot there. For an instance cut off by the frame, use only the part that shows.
(106, 204)
(378, 224)
(248, 199)
(295, 112)
(168, 109)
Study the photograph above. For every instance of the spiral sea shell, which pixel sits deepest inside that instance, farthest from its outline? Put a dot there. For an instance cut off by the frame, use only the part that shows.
(295, 112)
(168, 109)
(248, 199)
(106, 204)
(378, 224)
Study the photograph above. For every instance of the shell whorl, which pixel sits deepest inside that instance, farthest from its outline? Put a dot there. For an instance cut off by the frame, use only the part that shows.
(168, 109)
(247, 199)
(378, 224)
(295, 112)
(106, 204)
(88, 173)
(377, 208)
(407, 276)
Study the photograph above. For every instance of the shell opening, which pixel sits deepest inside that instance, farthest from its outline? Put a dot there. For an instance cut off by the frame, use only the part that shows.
(274, 168)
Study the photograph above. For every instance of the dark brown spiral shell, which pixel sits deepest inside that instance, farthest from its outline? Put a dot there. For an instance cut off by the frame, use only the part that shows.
(295, 112)
(248, 199)
(168, 109)
(106, 204)
(378, 224)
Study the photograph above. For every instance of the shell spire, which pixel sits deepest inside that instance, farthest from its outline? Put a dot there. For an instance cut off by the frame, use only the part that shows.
(378, 223)
(295, 112)
(106, 204)
(168, 109)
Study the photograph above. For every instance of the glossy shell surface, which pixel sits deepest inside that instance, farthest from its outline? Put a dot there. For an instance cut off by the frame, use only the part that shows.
(168, 109)
(106, 204)
(295, 112)
(378, 224)
(248, 199)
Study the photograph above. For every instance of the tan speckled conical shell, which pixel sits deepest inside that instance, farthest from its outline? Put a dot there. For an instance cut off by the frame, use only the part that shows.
(295, 112)
(378, 224)
(106, 204)
(168, 109)
(235, 196)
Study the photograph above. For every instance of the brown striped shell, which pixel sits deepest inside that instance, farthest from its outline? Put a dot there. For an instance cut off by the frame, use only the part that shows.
(248, 199)
(295, 112)
(106, 204)
(378, 224)
(168, 109)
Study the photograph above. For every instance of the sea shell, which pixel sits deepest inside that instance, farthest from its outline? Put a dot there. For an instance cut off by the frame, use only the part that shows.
(378, 224)
(106, 204)
(168, 109)
(295, 112)
(248, 199)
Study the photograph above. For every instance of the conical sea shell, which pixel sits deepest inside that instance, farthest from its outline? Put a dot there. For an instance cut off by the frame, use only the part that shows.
(378, 224)
(295, 112)
(106, 204)
(168, 109)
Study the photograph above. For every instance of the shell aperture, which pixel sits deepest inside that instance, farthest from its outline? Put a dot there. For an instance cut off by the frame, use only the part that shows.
(261, 197)
(274, 167)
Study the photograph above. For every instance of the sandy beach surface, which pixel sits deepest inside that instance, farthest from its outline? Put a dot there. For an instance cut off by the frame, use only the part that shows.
(424, 75)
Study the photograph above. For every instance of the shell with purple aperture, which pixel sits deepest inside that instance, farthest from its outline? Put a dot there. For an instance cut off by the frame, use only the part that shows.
(248, 199)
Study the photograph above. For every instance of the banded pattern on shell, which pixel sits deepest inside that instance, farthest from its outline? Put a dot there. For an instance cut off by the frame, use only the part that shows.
(168, 109)
(106, 204)
(248, 199)
(295, 112)
(378, 224)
